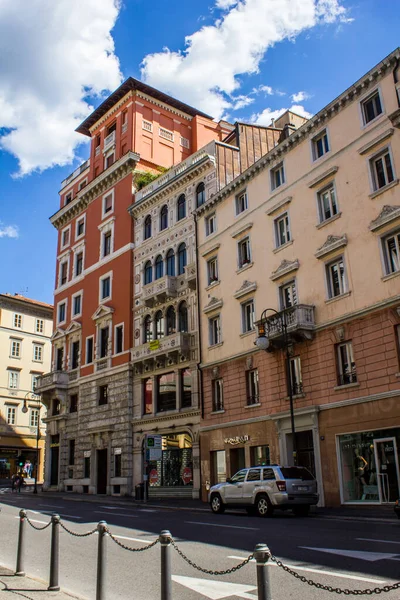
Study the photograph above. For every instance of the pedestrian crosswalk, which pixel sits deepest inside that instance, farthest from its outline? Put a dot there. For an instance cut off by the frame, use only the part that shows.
(5, 490)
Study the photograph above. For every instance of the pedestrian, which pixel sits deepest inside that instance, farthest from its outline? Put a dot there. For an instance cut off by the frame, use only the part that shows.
(19, 482)
(13, 482)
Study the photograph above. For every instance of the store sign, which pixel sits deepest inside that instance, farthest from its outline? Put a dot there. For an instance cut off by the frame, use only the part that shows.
(86, 454)
(154, 345)
(117, 450)
(239, 439)
(154, 441)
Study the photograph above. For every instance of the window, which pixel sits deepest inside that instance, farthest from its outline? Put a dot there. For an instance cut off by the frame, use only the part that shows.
(63, 272)
(166, 134)
(105, 287)
(381, 170)
(15, 350)
(71, 453)
(277, 176)
(124, 121)
(103, 394)
(147, 228)
(80, 227)
(288, 295)
(185, 143)
(260, 456)
(166, 392)
(241, 203)
(296, 381)
(171, 263)
(320, 145)
(34, 418)
(75, 354)
(35, 379)
(252, 387)
(397, 336)
(82, 184)
(109, 160)
(76, 305)
(200, 194)
(108, 203)
(183, 318)
(117, 465)
(239, 477)
(247, 316)
(371, 107)
(68, 198)
(212, 270)
(148, 396)
(181, 207)
(186, 388)
(11, 415)
(147, 125)
(171, 320)
(78, 264)
(218, 465)
(244, 254)
(148, 273)
(253, 475)
(86, 467)
(336, 278)
(164, 218)
(215, 330)
(39, 326)
(346, 365)
(104, 337)
(17, 321)
(65, 237)
(59, 359)
(217, 395)
(13, 380)
(38, 352)
(119, 339)
(62, 312)
(159, 325)
(327, 204)
(211, 224)
(147, 329)
(282, 230)
(73, 403)
(159, 267)
(89, 350)
(391, 252)
(182, 258)
(107, 243)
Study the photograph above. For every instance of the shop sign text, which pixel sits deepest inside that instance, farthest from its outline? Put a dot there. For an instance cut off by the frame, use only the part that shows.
(238, 439)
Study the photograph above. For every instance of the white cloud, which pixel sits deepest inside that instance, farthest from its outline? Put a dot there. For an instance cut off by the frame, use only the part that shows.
(57, 52)
(205, 73)
(300, 96)
(266, 116)
(267, 89)
(224, 4)
(241, 102)
(9, 231)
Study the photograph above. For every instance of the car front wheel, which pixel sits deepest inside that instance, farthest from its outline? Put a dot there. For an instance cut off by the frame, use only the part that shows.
(264, 507)
(216, 504)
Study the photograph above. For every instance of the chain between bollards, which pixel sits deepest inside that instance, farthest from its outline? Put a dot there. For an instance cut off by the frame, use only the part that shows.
(21, 544)
(262, 554)
(54, 554)
(101, 561)
(166, 581)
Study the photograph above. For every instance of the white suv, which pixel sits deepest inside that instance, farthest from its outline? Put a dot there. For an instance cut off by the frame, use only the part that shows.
(264, 489)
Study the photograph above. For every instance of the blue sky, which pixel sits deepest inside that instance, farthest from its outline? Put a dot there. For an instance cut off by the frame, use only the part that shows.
(244, 60)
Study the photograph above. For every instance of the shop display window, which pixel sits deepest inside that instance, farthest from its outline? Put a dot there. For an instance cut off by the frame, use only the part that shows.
(175, 468)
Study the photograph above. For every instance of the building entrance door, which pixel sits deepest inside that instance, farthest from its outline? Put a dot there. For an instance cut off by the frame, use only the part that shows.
(54, 454)
(102, 472)
(387, 469)
(237, 460)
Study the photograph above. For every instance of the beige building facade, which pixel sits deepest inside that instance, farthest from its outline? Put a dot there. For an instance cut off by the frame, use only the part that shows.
(312, 232)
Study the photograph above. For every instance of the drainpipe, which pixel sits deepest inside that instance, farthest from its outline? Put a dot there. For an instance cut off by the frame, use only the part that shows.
(198, 317)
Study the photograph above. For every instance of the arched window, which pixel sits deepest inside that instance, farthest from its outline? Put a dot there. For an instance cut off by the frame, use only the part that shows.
(159, 267)
(171, 263)
(183, 317)
(181, 206)
(147, 227)
(171, 320)
(159, 321)
(148, 273)
(182, 259)
(147, 329)
(200, 194)
(164, 218)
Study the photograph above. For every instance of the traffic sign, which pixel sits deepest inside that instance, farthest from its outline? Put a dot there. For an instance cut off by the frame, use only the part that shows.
(154, 441)
(155, 454)
(153, 476)
(187, 475)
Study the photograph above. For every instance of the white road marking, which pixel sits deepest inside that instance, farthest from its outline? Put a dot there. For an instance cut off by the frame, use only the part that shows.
(123, 537)
(35, 521)
(53, 505)
(149, 510)
(215, 590)
(359, 554)
(61, 514)
(366, 519)
(220, 525)
(319, 571)
(374, 540)
(100, 512)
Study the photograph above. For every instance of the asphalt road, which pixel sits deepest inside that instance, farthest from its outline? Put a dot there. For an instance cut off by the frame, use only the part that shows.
(340, 552)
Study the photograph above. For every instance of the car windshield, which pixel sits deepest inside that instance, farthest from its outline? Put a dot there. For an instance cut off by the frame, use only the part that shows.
(239, 476)
(296, 473)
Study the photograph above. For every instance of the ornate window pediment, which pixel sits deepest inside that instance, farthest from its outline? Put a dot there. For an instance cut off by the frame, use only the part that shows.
(58, 334)
(286, 266)
(333, 242)
(246, 288)
(214, 304)
(387, 215)
(72, 327)
(101, 312)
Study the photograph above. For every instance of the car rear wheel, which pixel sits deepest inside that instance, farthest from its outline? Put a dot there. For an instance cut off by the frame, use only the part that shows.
(264, 507)
(301, 511)
(216, 504)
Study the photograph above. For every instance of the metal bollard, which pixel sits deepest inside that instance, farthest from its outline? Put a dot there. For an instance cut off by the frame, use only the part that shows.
(101, 561)
(21, 544)
(54, 554)
(166, 582)
(262, 554)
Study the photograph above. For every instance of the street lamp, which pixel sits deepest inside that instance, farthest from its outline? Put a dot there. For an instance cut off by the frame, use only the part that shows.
(263, 342)
(31, 396)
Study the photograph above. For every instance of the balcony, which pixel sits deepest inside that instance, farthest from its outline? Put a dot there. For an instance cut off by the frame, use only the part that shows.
(159, 290)
(300, 324)
(49, 381)
(167, 347)
(190, 275)
(109, 140)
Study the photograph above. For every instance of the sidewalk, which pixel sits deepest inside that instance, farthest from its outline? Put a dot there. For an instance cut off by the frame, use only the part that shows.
(12, 586)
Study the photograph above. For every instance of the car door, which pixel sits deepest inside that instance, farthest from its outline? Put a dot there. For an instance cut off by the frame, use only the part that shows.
(251, 485)
(234, 488)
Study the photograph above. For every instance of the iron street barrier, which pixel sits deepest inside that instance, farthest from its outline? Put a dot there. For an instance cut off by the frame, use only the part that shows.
(261, 555)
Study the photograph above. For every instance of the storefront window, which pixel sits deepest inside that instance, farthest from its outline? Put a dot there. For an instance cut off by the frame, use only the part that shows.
(175, 469)
(148, 396)
(218, 465)
(186, 390)
(259, 456)
(166, 392)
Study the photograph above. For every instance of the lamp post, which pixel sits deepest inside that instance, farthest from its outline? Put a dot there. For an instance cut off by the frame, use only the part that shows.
(32, 397)
(263, 342)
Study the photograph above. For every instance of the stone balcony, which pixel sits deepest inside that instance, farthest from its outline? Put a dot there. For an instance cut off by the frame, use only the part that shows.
(300, 325)
(49, 381)
(190, 275)
(167, 350)
(159, 290)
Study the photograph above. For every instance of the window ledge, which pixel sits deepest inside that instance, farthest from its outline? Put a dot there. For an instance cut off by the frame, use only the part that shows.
(215, 345)
(327, 221)
(276, 250)
(246, 333)
(253, 405)
(345, 295)
(318, 160)
(397, 375)
(213, 285)
(384, 188)
(245, 267)
(217, 412)
(296, 396)
(347, 386)
(391, 276)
